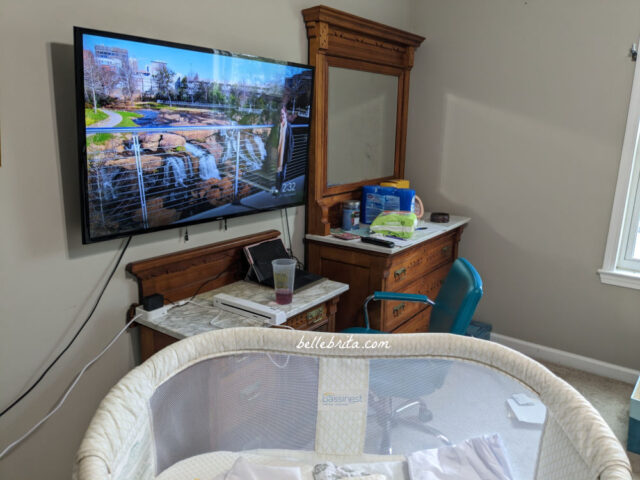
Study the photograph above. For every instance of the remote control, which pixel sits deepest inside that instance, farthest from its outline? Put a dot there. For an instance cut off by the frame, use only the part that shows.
(378, 241)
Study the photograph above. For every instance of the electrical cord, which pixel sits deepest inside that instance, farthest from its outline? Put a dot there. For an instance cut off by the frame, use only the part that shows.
(211, 279)
(284, 365)
(286, 362)
(286, 215)
(180, 303)
(93, 309)
(184, 303)
(68, 390)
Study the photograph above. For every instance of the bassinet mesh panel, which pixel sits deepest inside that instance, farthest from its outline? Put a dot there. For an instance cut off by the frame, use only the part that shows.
(336, 406)
(235, 403)
(463, 400)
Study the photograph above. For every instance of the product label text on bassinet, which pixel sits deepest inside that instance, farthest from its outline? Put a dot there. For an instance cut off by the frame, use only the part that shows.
(343, 400)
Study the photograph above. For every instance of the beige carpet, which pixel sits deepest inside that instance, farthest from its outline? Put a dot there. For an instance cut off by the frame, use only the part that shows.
(610, 397)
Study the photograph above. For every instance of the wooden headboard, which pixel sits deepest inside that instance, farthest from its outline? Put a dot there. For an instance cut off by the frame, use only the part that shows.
(181, 274)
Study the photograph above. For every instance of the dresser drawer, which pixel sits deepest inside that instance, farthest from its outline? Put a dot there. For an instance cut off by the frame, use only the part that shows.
(405, 269)
(410, 266)
(439, 252)
(418, 324)
(396, 313)
(310, 319)
(435, 279)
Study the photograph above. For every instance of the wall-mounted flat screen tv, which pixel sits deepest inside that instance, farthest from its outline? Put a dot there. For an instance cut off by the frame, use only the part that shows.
(171, 135)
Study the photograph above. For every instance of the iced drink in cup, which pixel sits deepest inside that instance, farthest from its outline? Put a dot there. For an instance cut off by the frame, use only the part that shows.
(284, 273)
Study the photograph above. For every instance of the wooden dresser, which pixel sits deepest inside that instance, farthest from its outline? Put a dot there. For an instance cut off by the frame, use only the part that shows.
(417, 268)
(342, 41)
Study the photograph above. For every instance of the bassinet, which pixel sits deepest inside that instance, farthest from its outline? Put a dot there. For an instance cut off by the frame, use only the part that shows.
(300, 398)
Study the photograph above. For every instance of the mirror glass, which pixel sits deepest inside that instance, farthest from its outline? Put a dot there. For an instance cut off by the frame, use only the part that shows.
(361, 136)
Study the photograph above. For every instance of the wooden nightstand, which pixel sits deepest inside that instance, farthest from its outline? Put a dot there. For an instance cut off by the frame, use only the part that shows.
(313, 308)
(219, 268)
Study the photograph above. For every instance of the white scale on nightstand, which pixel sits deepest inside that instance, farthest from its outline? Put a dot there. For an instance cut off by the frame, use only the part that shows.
(247, 308)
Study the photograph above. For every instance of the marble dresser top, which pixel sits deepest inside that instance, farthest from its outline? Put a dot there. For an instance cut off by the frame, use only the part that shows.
(192, 318)
(426, 231)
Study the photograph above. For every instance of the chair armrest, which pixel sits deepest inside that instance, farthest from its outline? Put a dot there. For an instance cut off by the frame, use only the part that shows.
(401, 297)
(407, 297)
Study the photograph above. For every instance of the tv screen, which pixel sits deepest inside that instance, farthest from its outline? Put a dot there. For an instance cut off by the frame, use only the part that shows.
(171, 135)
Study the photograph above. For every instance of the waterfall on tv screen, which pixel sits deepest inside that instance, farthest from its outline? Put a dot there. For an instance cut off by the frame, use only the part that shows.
(207, 167)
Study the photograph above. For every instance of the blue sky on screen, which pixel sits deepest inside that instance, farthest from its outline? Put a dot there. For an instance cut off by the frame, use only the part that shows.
(208, 66)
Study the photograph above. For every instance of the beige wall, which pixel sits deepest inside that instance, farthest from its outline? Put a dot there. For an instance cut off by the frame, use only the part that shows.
(517, 116)
(47, 278)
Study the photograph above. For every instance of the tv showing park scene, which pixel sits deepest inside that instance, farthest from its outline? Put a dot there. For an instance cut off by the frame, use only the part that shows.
(172, 135)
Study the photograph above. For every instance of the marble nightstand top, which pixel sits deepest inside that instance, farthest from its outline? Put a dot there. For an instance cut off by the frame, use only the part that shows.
(194, 317)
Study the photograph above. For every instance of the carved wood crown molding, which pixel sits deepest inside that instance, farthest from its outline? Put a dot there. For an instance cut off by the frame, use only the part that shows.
(355, 37)
(347, 22)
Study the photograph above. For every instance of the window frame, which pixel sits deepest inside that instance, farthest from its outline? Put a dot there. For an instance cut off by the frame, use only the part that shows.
(619, 268)
(631, 226)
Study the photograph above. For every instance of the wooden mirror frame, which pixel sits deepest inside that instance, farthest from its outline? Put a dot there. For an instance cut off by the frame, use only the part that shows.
(340, 39)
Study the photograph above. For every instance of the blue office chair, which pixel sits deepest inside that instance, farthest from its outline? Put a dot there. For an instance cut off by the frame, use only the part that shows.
(453, 307)
(451, 312)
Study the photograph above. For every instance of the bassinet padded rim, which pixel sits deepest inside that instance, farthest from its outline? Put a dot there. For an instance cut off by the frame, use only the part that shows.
(120, 412)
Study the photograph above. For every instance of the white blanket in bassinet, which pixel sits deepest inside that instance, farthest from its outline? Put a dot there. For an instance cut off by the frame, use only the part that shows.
(243, 470)
(479, 458)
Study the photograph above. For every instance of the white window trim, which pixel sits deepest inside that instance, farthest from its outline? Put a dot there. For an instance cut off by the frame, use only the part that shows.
(617, 269)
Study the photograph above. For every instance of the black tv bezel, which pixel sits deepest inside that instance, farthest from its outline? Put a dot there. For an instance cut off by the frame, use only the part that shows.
(78, 32)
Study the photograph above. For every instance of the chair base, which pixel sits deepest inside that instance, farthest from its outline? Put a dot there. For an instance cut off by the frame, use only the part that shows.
(389, 418)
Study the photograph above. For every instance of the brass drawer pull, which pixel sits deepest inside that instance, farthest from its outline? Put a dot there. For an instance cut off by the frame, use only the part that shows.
(399, 309)
(446, 249)
(398, 274)
(315, 316)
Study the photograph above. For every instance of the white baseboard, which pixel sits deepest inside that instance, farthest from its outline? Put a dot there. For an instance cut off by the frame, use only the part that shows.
(567, 359)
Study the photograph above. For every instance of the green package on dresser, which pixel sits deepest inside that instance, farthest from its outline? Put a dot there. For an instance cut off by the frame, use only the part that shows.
(396, 223)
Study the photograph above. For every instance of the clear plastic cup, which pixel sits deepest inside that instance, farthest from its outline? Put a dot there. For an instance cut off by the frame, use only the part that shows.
(284, 273)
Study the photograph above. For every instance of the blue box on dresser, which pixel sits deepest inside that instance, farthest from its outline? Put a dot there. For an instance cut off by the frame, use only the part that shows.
(633, 440)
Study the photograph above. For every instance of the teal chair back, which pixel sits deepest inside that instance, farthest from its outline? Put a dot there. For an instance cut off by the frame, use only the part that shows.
(452, 309)
(457, 300)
